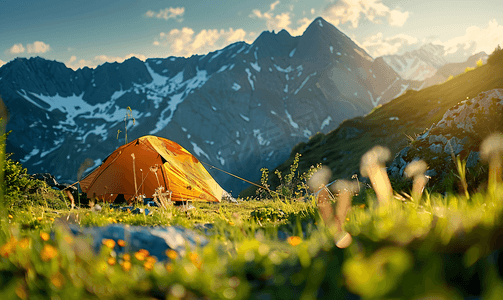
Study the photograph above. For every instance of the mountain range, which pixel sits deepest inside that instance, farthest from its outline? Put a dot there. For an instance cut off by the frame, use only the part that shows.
(430, 60)
(239, 109)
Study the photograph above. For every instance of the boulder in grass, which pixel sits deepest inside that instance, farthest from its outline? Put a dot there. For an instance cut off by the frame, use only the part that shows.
(154, 239)
(52, 182)
(459, 133)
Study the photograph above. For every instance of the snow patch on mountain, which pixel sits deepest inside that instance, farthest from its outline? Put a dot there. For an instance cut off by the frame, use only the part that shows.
(236, 86)
(244, 117)
(292, 52)
(280, 69)
(249, 78)
(289, 116)
(260, 139)
(303, 83)
(198, 151)
(33, 152)
(222, 68)
(255, 66)
(168, 112)
(74, 106)
(326, 122)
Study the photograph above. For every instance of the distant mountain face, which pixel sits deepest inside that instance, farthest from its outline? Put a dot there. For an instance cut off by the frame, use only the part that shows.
(425, 62)
(453, 69)
(240, 108)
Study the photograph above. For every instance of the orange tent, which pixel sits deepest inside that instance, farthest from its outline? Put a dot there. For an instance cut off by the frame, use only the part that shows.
(141, 166)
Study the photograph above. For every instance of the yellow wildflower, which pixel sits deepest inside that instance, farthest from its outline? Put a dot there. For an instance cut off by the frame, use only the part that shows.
(11, 217)
(68, 239)
(48, 252)
(172, 254)
(144, 251)
(8, 247)
(39, 219)
(24, 243)
(148, 265)
(294, 240)
(140, 255)
(126, 257)
(111, 261)
(193, 256)
(45, 236)
(169, 267)
(121, 243)
(126, 266)
(195, 260)
(58, 280)
(109, 243)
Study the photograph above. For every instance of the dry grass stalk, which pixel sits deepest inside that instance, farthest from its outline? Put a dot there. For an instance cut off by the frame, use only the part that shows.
(416, 170)
(373, 166)
(345, 190)
(70, 196)
(491, 151)
(317, 183)
(134, 175)
(162, 199)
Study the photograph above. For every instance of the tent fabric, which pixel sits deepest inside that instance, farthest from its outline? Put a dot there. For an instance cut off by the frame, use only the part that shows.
(157, 162)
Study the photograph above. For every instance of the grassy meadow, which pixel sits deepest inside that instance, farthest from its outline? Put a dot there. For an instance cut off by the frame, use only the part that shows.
(286, 244)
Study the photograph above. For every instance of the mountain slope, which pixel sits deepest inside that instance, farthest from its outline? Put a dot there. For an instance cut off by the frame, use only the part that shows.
(389, 125)
(239, 108)
(430, 63)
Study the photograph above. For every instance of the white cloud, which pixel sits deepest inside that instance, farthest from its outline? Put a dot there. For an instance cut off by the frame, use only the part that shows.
(397, 18)
(312, 11)
(16, 49)
(376, 45)
(99, 59)
(345, 11)
(282, 20)
(2, 63)
(38, 47)
(477, 39)
(167, 13)
(186, 42)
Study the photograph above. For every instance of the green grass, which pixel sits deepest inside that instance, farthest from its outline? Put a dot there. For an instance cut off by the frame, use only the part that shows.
(437, 246)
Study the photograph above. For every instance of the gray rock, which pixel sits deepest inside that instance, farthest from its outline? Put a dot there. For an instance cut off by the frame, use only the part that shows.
(435, 148)
(462, 125)
(154, 239)
(431, 173)
(453, 146)
(473, 159)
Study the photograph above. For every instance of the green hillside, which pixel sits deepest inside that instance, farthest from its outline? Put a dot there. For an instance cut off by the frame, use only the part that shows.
(389, 125)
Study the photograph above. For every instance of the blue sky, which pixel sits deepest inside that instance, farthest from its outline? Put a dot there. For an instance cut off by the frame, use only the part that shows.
(89, 33)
